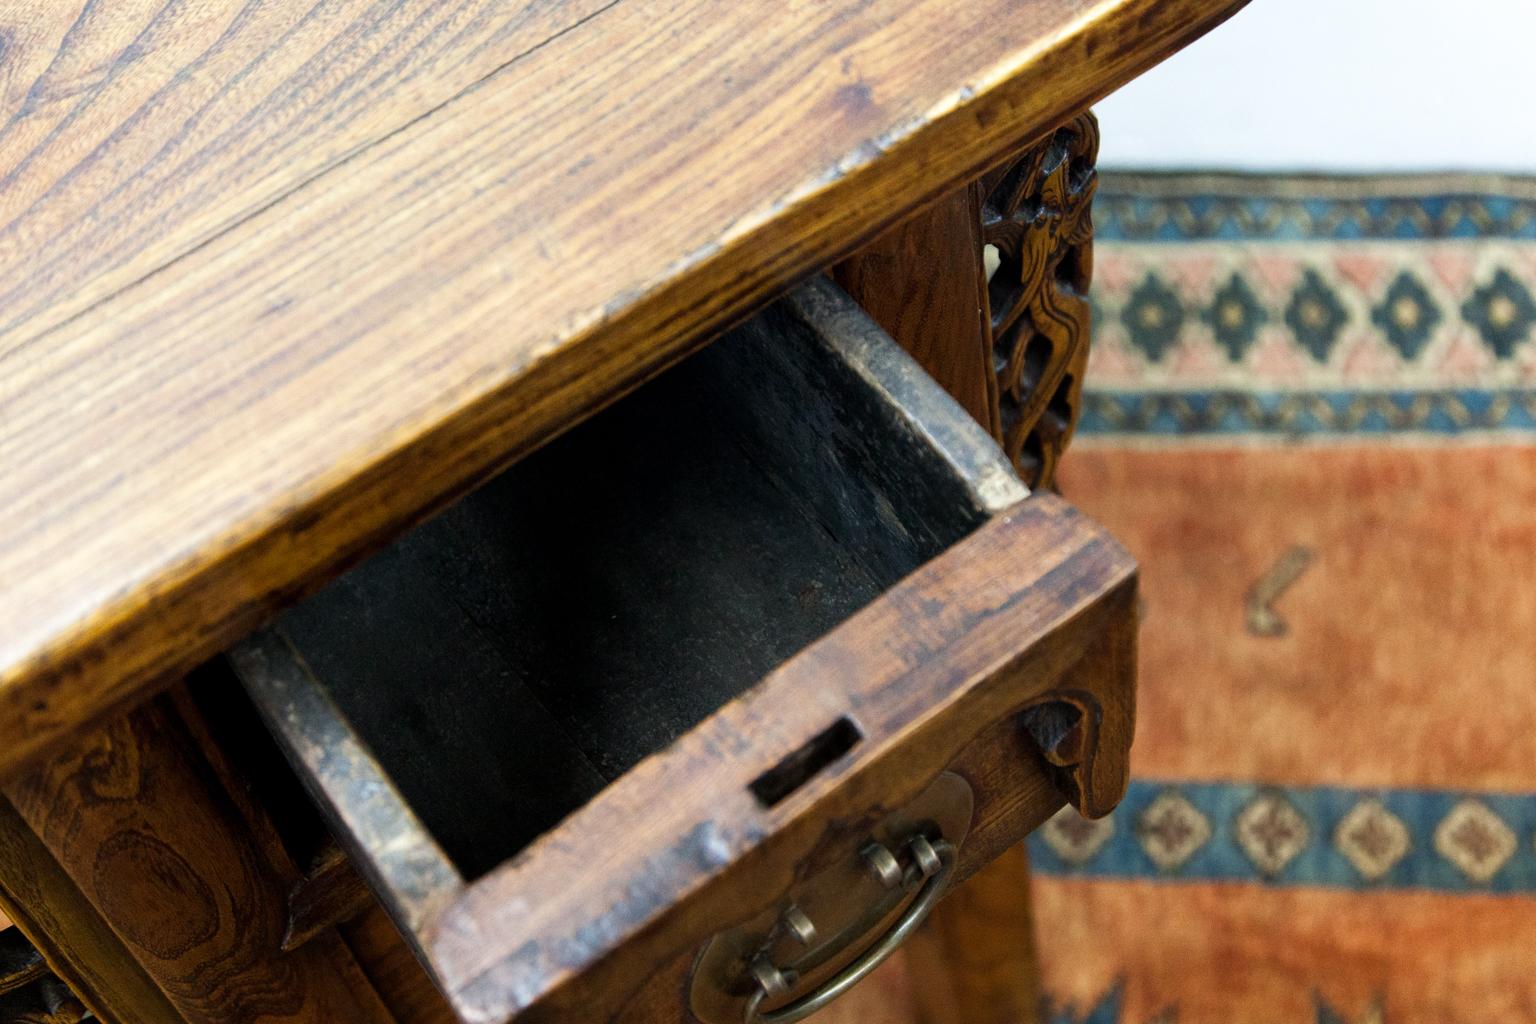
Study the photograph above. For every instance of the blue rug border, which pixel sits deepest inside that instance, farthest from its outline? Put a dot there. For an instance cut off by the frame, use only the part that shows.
(1232, 412)
(1176, 208)
(1320, 863)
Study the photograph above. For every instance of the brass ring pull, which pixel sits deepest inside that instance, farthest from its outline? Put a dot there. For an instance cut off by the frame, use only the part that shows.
(932, 865)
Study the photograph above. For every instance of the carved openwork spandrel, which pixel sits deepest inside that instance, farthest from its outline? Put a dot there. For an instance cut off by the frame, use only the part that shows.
(1037, 220)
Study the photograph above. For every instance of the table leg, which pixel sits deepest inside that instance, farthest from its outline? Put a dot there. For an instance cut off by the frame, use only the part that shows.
(974, 960)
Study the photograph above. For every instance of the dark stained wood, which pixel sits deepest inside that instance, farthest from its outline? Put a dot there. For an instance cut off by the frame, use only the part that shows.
(331, 893)
(281, 824)
(1015, 793)
(399, 978)
(20, 962)
(137, 819)
(278, 284)
(45, 1001)
(1010, 339)
(748, 501)
(668, 598)
(924, 281)
(973, 962)
(79, 946)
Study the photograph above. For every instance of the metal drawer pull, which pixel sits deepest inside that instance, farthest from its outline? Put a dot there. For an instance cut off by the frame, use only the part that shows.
(932, 865)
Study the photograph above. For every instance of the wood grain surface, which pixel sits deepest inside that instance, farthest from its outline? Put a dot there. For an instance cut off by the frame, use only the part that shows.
(973, 961)
(396, 974)
(78, 944)
(278, 279)
(925, 282)
(140, 823)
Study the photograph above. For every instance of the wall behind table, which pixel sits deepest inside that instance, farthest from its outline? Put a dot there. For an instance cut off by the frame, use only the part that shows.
(1341, 86)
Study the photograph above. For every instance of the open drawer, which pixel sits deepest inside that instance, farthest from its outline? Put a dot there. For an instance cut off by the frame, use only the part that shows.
(614, 723)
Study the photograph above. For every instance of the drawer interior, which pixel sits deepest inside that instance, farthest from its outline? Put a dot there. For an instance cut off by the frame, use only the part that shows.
(510, 658)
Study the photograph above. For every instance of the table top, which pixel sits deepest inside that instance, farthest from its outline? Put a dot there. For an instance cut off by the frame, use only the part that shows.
(279, 279)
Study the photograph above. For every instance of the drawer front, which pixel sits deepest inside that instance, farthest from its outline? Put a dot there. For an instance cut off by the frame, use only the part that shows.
(952, 695)
(975, 633)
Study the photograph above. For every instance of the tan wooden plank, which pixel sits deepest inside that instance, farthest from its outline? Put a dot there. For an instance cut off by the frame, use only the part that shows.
(137, 129)
(192, 446)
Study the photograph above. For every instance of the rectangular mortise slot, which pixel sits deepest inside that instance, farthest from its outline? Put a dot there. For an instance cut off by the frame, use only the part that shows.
(798, 768)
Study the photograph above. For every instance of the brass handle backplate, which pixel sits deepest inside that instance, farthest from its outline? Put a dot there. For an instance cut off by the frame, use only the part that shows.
(930, 867)
(858, 893)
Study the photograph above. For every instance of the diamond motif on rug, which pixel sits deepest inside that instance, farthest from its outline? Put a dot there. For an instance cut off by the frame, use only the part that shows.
(1154, 317)
(1316, 316)
(1171, 829)
(1074, 838)
(1503, 313)
(1272, 832)
(1407, 315)
(1235, 316)
(1373, 838)
(1476, 840)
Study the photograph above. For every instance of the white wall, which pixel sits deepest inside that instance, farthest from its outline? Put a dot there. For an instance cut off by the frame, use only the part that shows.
(1340, 85)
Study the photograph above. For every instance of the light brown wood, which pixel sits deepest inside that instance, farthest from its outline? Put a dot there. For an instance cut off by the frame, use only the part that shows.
(291, 327)
(973, 962)
(924, 281)
(79, 946)
(137, 820)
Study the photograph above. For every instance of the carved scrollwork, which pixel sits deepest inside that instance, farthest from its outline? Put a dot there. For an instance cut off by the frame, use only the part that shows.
(1037, 218)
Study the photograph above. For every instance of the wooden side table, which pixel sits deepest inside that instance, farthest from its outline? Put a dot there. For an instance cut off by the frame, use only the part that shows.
(279, 282)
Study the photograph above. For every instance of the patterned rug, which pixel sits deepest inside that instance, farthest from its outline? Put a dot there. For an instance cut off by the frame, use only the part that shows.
(1311, 420)
(1311, 412)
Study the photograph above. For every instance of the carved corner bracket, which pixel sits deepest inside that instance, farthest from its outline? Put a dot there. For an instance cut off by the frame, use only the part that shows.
(1083, 726)
(1038, 227)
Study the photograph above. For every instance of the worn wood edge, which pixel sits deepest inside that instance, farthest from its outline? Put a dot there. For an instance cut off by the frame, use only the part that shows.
(528, 928)
(385, 838)
(152, 630)
(924, 410)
